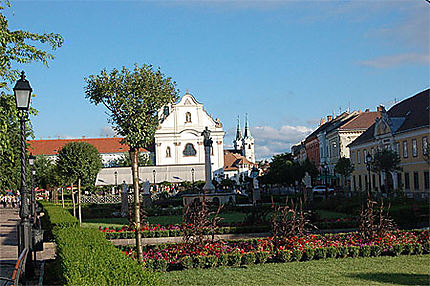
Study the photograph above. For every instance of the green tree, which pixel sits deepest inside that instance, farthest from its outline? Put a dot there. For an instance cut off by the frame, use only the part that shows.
(386, 161)
(133, 99)
(79, 161)
(16, 47)
(125, 160)
(344, 167)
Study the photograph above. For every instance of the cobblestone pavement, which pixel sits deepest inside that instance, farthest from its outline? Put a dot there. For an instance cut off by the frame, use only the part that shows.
(9, 219)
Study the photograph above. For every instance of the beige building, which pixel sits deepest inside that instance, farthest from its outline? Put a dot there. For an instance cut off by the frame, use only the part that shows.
(404, 129)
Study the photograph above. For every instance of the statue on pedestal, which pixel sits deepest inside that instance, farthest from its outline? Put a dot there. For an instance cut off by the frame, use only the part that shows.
(207, 142)
(124, 200)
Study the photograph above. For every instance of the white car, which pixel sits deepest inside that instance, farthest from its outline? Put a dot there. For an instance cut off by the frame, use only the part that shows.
(321, 189)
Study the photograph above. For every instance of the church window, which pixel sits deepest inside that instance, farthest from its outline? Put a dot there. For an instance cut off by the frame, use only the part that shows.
(212, 150)
(188, 117)
(249, 146)
(189, 150)
(168, 154)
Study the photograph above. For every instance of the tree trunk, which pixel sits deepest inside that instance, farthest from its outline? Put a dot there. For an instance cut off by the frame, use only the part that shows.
(135, 172)
(79, 202)
(73, 201)
(62, 197)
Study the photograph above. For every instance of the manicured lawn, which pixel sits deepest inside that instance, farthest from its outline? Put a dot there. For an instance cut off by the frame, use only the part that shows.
(403, 270)
(162, 220)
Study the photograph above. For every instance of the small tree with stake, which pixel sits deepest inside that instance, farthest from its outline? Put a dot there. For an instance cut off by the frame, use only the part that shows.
(386, 161)
(133, 99)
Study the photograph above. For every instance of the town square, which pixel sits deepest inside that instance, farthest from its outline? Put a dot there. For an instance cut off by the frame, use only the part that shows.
(214, 142)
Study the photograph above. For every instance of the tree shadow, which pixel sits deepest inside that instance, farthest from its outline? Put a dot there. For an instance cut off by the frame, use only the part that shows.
(395, 278)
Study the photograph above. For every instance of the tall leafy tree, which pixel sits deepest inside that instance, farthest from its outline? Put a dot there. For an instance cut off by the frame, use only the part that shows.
(133, 98)
(125, 160)
(344, 167)
(386, 161)
(79, 161)
(16, 47)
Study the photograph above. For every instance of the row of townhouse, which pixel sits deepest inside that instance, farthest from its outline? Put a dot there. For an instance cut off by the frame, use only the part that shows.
(404, 128)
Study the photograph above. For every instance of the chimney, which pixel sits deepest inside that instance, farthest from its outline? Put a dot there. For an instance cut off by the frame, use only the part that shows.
(329, 118)
(83, 137)
(367, 110)
(321, 121)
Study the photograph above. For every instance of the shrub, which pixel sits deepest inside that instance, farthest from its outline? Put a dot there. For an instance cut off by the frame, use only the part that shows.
(198, 261)
(426, 248)
(234, 259)
(332, 252)
(408, 249)
(223, 259)
(283, 255)
(186, 262)
(375, 250)
(343, 252)
(320, 253)
(210, 261)
(396, 250)
(160, 264)
(308, 254)
(261, 256)
(296, 255)
(353, 251)
(418, 249)
(365, 251)
(248, 258)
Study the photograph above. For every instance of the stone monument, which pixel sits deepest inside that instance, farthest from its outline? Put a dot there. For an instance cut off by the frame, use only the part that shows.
(124, 200)
(207, 143)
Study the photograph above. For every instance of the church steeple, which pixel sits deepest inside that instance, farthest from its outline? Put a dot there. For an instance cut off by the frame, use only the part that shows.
(247, 130)
(238, 130)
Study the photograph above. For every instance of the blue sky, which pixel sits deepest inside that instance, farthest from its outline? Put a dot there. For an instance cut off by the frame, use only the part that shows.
(285, 63)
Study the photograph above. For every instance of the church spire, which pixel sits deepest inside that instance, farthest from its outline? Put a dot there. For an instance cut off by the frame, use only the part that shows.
(238, 130)
(247, 130)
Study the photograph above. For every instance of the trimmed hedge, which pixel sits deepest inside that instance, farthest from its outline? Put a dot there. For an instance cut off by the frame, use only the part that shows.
(85, 257)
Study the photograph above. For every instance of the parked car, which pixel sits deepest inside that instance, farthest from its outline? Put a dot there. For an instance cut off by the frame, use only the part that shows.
(321, 189)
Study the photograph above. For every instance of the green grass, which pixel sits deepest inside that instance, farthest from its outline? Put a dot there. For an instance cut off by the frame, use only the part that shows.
(331, 215)
(403, 270)
(162, 220)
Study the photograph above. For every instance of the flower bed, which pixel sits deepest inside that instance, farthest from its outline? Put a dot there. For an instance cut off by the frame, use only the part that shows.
(148, 230)
(242, 252)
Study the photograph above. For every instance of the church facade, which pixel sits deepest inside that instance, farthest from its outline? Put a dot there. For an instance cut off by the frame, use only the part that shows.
(179, 140)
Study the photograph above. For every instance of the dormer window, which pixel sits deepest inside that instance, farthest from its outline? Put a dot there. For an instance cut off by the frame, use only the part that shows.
(188, 117)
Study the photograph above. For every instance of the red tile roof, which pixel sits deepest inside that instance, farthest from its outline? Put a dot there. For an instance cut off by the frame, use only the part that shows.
(232, 160)
(362, 121)
(103, 145)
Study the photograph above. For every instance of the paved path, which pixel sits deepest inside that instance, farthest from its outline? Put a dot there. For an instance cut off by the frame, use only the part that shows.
(9, 219)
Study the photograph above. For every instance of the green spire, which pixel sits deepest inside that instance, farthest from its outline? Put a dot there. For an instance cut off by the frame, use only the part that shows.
(238, 131)
(247, 130)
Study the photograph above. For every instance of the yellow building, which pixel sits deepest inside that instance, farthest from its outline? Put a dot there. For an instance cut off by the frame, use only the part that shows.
(404, 129)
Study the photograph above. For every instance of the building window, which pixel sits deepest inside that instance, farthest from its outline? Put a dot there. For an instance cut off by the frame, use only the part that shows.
(365, 156)
(407, 185)
(188, 117)
(168, 155)
(399, 181)
(189, 150)
(416, 181)
(372, 151)
(374, 180)
(414, 148)
(355, 183)
(358, 157)
(352, 156)
(360, 186)
(405, 149)
(426, 180)
(398, 148)
(425, 146)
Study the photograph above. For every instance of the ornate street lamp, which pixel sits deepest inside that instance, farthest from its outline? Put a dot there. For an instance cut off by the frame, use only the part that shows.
(22, 92)
(153, 173)
(31, 159)
(192, 178)
(325, 168)
(368, 165)
(116, 181)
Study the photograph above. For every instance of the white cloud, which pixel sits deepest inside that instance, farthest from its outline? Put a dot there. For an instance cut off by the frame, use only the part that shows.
(270, 141)
(396, 60)
(107, 131)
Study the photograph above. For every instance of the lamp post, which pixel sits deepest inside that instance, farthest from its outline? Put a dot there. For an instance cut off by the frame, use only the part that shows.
(325, 168)
(153, 173)
(368, 165)
(192, 178)
(22, 92)
(33, 197)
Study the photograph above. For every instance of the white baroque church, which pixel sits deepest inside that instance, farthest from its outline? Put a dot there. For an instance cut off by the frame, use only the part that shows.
(178, 140)
(179, 151)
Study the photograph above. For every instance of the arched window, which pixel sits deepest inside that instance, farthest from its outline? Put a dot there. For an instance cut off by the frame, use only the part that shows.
(189, 150)
(188, 117)
(168, 155)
